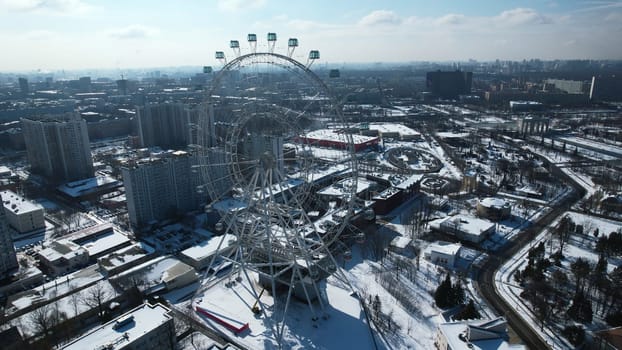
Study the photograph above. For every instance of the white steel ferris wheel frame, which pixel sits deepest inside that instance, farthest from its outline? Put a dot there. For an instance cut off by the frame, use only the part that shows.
(296, 256)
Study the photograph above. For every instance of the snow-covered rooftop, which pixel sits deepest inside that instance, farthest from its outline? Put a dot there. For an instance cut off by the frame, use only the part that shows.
(17, 204)
(104, 242)
(400, 129)
(477, 335)
(145, 319)
(209, 247)
(492, 202)
(444, 248)
(90, 185)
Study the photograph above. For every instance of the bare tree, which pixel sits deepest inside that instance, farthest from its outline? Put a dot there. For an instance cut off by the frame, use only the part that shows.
(45, 318)
(95, 297)
(75, 300)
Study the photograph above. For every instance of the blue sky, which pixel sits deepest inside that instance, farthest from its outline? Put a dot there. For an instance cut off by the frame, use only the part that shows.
(76, 34)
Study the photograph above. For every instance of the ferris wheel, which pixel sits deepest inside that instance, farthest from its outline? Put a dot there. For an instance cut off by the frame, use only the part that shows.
(280, 170)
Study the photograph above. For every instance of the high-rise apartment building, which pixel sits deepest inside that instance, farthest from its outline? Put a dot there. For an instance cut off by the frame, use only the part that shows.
(23, 86)
(160, 188)
(58, 146)
(164, 125)
(174, 125)
(449, 84)
(8, 260)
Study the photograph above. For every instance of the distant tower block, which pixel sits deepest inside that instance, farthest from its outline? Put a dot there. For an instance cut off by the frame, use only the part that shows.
(207, 69)
(271, 41)
(334, 73)
(235, 46)
(221, 57)
(313, 55)
(292, 44)
(252, 42)
(469, 181)
(122, 86)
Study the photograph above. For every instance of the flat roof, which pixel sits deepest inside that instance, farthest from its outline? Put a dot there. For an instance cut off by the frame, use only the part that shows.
(344, 187)
(469, 224)
(444, 247)
(104, 242)
(18, 204)
(453, 330)
(392, 127)
(146, 318)
(207, 248)
(90, 185)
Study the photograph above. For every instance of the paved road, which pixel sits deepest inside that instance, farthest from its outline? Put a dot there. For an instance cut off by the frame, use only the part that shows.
(486, 275)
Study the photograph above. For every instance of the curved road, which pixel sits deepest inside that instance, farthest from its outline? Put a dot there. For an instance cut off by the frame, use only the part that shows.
(486, 274)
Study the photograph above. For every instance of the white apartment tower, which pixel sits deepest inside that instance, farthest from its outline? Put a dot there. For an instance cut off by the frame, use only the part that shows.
(160, 188)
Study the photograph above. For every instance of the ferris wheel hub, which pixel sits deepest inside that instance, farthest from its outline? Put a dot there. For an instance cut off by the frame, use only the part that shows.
(267, 160)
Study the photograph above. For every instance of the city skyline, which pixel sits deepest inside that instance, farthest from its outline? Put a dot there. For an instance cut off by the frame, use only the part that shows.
(78, 34)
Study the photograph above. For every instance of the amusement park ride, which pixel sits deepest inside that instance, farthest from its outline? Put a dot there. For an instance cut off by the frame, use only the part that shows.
(262, 178)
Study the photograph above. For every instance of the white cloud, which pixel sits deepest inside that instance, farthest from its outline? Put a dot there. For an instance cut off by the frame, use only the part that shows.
(451, 18)
(523, 15)
(240, 5)
(380, 17)
(134, 31)
(60, 7)
(40, 35)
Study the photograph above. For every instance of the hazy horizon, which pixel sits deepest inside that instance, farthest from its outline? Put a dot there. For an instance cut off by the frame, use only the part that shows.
(52, 35)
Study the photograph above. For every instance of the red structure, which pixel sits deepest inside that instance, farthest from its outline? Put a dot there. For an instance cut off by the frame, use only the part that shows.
(220, 321)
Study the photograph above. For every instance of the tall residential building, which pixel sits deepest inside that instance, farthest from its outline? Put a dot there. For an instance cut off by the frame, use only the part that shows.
(449, 84)
(201, 130)
(8, 260)
(58, 146)
(160, 188)
(165, 125)
(23, 86)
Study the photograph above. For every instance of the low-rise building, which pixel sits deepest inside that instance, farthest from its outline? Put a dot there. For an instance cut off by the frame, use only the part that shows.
(443, 253)
(474, 335)
(494, 208)
(22, 214)
(145, 327)
(466, 227)
(163, 273)
(63, 256)
(200, 256)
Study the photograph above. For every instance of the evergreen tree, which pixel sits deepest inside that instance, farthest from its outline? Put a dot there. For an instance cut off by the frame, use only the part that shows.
(469, 312)
(442, 295)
